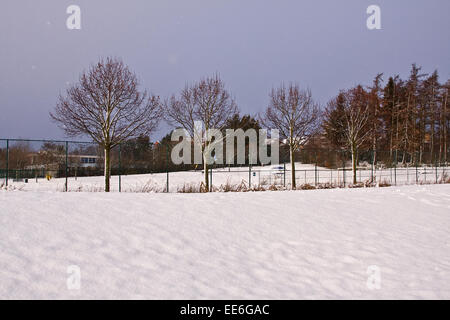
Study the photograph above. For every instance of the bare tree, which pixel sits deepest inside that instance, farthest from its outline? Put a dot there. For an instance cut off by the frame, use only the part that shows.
(355, 122)
(374, 109)
(107, 106)
(294, 113)
(445, 117)
(207, 101)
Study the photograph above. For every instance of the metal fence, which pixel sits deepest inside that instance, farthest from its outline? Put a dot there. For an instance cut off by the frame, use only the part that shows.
(140, 166)
(60, 165)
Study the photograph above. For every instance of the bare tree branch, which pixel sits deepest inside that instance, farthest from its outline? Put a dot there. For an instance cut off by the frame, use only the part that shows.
(207, 101)
(294, 113)
(107, 105)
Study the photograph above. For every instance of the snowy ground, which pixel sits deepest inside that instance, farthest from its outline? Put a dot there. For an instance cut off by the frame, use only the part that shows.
(266, 176)
(275, 245)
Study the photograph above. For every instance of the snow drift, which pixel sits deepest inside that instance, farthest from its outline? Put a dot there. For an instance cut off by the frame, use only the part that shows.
(269, 245)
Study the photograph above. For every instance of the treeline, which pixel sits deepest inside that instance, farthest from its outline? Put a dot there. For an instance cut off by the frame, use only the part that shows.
(407, 119)
(392, 121)
(141, 155)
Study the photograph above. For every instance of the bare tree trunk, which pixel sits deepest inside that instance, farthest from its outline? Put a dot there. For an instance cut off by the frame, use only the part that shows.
(397, 136)
(393, 114)
(420, 153)
(374, 135)
(107, 168)
(391, 141)
(374, 152)
(406, 144)
(354, 163)
(206, 171)
(432, 118)
(205, 167)
(291, 150)
(441, 131)
(416, 138)
(445, 127)
(422, 134)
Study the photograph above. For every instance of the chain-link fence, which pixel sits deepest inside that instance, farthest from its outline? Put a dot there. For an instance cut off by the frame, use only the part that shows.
(142, 166)
(52, 165)
(27, 161)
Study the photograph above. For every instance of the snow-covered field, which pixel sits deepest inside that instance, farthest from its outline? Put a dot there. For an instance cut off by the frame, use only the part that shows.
(258, 245)
(305, 174)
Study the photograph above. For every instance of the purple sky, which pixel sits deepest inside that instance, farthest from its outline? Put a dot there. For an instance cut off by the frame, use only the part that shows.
(253, 44)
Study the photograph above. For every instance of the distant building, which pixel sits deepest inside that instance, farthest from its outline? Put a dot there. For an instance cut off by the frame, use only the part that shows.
(52, 163)
(85, 161)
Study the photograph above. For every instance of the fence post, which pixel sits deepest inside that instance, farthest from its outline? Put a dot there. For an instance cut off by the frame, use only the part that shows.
(395, 170)
(343, 168)
(372, 158)
(67, 165)
(7, 161)
(284, 174)
(120, 168)
(249, 174)
(259, 178)
(315, 170)
(443, 171)
(407, 173)
(436, 169)
(210, 178)
(167, 168)
(417, 173)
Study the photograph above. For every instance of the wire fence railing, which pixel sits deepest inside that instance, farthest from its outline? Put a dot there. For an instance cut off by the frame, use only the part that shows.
(140, 166)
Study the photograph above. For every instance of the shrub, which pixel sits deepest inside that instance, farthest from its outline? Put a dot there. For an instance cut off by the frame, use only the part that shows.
(384, 183)
(307, 186)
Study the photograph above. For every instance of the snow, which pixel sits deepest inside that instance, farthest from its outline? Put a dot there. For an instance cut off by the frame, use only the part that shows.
(257, 245)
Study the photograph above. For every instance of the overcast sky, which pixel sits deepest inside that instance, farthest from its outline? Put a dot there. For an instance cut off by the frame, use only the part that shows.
(254, 44)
